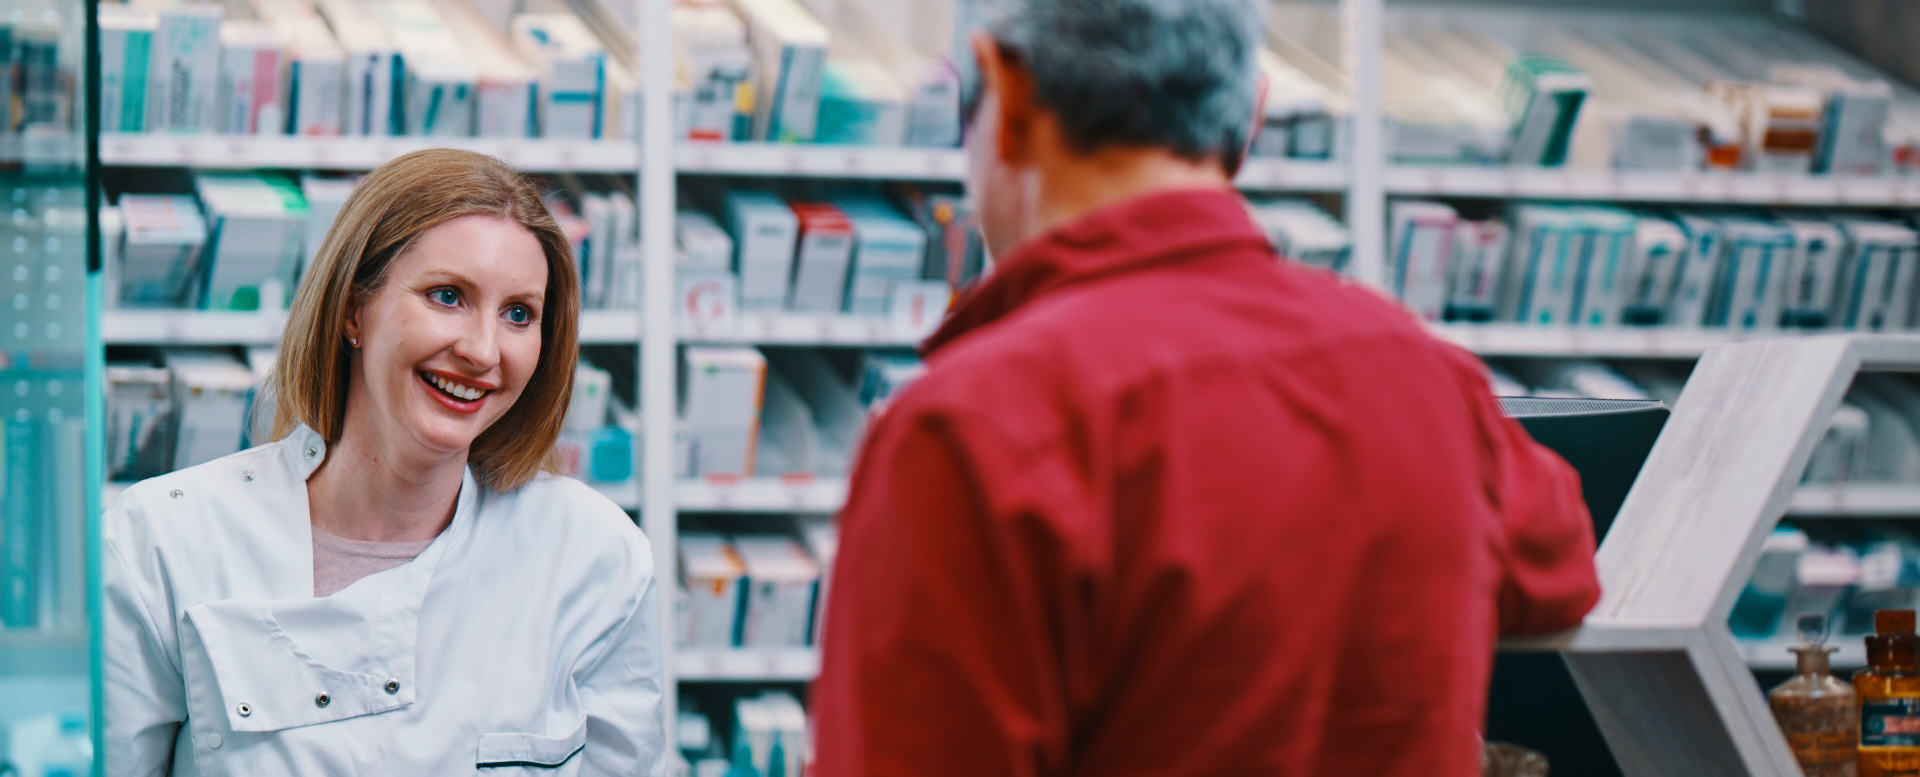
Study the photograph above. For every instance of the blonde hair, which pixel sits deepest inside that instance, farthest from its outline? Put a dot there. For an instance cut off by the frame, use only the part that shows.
(387, 211)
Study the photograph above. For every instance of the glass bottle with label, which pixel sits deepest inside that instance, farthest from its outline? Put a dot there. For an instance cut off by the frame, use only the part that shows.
(1889, 689)
(1818, 712)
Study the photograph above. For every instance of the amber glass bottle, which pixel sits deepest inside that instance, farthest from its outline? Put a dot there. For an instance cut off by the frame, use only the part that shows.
(1817, 711)
(1889, 689)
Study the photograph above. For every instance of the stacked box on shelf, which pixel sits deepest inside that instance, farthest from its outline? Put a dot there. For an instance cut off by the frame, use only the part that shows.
(930, 85)
(507, 87)
(722, 396)
(955, 251)
(258, 223)
(325, 197)
(185, 71)
(820, 262)
(708, 292)
(1303, 79)
(441, 92)
(250, 68)
(126, 51)
(713, 58)
(161, 251)
(374, 73)
(769, 725)
(890, 252)
(764, 233)
(314, 71)
(573, 73)
(790, 51)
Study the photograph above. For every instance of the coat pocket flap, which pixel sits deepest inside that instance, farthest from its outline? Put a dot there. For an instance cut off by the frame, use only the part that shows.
(529, 749)
(266, 681)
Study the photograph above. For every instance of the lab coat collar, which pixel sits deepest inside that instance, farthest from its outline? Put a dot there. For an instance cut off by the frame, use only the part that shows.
(275, 656)
(1141, 233)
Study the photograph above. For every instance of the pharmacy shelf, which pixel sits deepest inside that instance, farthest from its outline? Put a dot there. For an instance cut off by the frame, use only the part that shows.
(941, 164)
(54, 150)
(761, 495)
(1286, 175)
(1773, 655)
(796, 665)
(357, 153)
(806, 161)
(42, 639)
(801, 329)
(1614, 186)
(210, 328)
(1620, 343)
(1856, 500)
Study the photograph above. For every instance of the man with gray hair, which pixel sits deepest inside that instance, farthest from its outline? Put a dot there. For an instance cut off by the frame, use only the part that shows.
(1163, 503)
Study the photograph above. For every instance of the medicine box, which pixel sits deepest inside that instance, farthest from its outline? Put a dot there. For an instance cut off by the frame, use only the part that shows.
(184, 76)
(160, 253)
(572, 67)
(704, 246)
(821, 260)
(790, 50)
(723, 390)
(714, 576)
(1811, 273)
(765, 231)
(1473, 286)
(126, 51)
(249, 79)
(374, 71)
(1652, 270)
(257, 225)
(889, 251)
(1421, 241)
(781, 579)
(211, 397)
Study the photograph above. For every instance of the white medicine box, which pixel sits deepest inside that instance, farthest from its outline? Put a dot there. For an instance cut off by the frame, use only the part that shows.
(781, 580)
(713, 575)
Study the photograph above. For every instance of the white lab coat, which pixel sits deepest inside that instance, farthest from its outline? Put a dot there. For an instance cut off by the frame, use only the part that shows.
(525, 639)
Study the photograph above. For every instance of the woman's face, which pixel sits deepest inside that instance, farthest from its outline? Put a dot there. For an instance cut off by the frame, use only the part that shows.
(449, 342)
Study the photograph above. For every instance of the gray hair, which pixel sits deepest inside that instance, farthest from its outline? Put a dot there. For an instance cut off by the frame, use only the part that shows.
(1175, 74)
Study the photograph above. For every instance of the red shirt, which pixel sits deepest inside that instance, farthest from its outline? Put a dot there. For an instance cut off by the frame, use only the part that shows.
(1165, 505)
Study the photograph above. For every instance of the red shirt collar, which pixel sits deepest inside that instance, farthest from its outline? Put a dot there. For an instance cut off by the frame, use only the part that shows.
(1136, 234)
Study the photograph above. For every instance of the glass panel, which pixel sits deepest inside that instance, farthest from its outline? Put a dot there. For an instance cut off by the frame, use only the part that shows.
(48, 339)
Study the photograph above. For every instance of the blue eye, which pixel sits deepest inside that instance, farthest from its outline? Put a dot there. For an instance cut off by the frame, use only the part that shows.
(519, 314)
(446, 297)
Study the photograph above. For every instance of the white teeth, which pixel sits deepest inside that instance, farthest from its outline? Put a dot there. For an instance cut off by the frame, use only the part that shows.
(467, 393)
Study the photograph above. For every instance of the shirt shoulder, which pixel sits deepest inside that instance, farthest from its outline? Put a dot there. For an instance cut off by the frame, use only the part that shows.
(579, 520)
(205, 497)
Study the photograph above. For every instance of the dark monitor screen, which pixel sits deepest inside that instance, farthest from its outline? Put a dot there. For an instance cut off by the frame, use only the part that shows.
(1605, 440)
(1532, 700)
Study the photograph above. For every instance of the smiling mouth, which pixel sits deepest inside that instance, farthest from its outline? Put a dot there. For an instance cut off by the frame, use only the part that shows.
(455, 391)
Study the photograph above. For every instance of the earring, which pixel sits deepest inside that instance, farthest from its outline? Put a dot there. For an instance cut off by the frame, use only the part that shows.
(353, 341)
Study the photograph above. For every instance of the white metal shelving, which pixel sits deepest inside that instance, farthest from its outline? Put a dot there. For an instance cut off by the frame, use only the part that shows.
(802, 329)
(824, 161)
(1620, 343)
(1855, 500)
(1615, 186)
(356, 153)
(747, 664)
(761, 495)
(135, 326)
(1773, 654)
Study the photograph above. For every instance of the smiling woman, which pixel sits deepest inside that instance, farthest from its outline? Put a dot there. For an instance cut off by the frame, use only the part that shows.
(269, 612)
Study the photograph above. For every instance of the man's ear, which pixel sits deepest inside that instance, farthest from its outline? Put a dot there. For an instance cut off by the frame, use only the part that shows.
(1006, 98)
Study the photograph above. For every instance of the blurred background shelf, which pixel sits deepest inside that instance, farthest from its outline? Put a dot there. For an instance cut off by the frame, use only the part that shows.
(762, 495)
(1615, 186)
(356, 153)
(801, 329)
(746, 664)
(1647, 343)
(1856, 500)
(1773, 654)
(823, 161)
(213, 327)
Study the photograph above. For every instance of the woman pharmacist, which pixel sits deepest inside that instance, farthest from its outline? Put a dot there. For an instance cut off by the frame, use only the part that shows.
(395, 585)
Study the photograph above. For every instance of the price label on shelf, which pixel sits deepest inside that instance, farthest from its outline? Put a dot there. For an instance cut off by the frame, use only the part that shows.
(321, 152)
(852, 164)
(173, 327)
(564, 151)
(702, 158)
